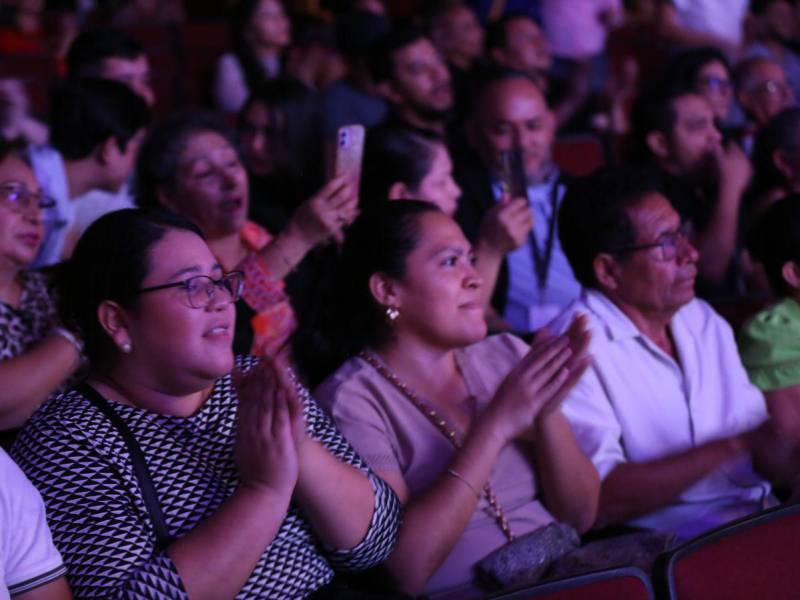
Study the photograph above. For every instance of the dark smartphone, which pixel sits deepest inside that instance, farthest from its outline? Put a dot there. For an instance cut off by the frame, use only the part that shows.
(512, 174)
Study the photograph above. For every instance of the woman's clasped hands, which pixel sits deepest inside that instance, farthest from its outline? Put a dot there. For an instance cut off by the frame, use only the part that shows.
(535, 388)
(270, 428)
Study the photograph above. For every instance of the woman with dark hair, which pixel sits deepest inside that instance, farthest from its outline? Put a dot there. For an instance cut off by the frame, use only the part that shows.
(706, 71)
(260, 32)
(177, 471)
(280, 129)
(402, 164)
(189, 164)
(32, 340)
(453, 421)
(776, 162)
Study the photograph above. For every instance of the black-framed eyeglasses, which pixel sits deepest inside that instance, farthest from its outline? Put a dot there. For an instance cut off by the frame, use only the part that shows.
(667, 242)
(201, 290)
(16, 196)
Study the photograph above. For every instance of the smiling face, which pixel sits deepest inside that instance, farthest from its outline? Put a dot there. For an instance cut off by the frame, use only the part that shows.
(421, 80)
(20, 232)
(180, 347)
(211, 186)
(645, 282)
(439, 297)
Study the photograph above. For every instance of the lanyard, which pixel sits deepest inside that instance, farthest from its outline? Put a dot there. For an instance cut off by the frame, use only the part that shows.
(542, 257)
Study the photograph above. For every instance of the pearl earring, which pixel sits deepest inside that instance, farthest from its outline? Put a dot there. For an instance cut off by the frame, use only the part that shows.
(126, 347)
(392, 313)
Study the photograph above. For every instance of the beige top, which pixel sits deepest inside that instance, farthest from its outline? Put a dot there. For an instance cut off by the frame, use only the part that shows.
(390, 433)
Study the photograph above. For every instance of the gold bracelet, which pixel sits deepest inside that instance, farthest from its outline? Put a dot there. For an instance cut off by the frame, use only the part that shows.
(458, 475)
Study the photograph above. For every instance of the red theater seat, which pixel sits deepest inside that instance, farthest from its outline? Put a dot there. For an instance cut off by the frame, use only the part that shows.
(579, 155)
(757, 558)
(623, 583)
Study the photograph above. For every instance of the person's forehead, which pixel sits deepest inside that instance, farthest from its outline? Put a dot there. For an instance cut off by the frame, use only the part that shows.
(768, 70)
(517, 98)
(204, 145)
(120, 66)
(522, 26)
(13, 168)
(692, 106)
(420, 50)
(714, 67)
(652, 216)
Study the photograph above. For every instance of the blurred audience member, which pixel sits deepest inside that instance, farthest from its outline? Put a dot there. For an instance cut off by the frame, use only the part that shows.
(313, 57)
(705, 180)
(762, 91)
(354, 99)
(243, 469)
(411, 74)
(96, 128)
(443, 414)
(36, 353)
(675, 445)
(706, 71)
(111, 54)
(458, 35)
(535, 282)
(776, 28)
(576, 32)
(17, 124)
(718, 23)
(149, 13)
(768, 341)
(405, 164)
(279, 128)
(776, 160)
(260, 32)
(30, 565)
(517, 42)
(189, 164)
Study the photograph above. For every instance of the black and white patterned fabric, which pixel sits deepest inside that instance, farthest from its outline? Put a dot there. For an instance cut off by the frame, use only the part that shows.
(99, 520)
(23, 326)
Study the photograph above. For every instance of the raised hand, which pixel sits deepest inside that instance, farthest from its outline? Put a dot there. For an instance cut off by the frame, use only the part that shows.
(538, 384)
(326, 213)
(266, 450)
(506, 225)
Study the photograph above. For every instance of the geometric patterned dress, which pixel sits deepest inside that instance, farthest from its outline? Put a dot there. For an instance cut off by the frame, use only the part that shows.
(99, 520)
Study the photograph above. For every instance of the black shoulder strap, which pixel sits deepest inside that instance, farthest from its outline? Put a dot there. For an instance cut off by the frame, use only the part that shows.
(163, 538)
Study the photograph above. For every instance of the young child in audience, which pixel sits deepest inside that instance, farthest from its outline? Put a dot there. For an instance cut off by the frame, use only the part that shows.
(95, 132)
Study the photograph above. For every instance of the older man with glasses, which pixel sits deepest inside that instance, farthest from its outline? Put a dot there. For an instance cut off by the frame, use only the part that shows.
(666, 411)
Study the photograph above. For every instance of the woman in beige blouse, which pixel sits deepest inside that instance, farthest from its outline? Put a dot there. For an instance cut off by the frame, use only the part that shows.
(466, 429)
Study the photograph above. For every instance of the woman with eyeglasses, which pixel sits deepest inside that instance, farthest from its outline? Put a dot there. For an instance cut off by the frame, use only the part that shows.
(177, 470)
(190, 165)
(31, 338)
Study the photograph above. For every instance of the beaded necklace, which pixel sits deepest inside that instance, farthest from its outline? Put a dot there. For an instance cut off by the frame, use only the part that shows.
(444, 427)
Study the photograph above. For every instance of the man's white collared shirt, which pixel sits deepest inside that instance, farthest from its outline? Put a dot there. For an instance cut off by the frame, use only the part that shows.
(637, 404)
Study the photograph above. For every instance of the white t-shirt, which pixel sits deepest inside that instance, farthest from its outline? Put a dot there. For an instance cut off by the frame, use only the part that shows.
(28, 557)
(723, 18)
(69, 218)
